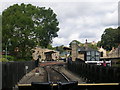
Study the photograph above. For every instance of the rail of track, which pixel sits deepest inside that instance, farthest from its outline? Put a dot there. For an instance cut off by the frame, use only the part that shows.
(54, 75)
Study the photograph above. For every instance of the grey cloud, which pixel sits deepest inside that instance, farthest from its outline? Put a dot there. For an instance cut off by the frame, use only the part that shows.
(81, 20)
(88, 34)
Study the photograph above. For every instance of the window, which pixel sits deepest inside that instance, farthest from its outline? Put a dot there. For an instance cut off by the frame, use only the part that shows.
(88, 58)
(92, 53)
(88, 53)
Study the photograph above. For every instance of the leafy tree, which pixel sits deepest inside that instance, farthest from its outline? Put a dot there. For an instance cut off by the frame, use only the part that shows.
(60, 48)
(117, 37)
(25, 26)
(50, 47)
(109, 38)
(76, 41)
(92, 46)
(99, 44)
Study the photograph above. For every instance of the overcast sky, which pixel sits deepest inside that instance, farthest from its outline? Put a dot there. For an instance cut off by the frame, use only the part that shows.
(78, 19)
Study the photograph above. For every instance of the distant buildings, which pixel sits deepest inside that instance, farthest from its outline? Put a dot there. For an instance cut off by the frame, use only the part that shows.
(44, 54)
(83, 52)
(76, 50)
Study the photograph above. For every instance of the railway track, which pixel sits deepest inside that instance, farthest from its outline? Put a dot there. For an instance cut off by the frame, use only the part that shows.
(54, 75)
(55, 80)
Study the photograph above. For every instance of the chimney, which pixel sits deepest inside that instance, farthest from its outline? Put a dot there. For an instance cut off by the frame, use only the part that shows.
(113, 48)
(86, 45)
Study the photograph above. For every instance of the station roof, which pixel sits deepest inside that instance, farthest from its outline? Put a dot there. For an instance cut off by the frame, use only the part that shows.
(83, 49)
(50, 52)
(67, 48)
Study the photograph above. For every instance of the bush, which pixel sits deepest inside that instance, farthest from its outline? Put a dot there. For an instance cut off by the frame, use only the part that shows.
(9, 58)
(3, 60)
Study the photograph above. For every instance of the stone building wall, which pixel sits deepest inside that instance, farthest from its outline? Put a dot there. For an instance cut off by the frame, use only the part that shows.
(115, 52)
(41, 51)
(81, 56)
(103, 51)
(74, 51)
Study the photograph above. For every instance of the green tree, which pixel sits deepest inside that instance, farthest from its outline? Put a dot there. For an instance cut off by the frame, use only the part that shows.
(76, 41)
(50, 47)
(99, 44)
(60, 48)
(117, 37)
(26, 26)
(92, 46)
(109, 38)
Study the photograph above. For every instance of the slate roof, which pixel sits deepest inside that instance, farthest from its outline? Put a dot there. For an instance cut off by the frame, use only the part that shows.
(82, 49)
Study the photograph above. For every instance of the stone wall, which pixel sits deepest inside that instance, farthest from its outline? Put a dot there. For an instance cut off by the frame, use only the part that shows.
(114, 52)
(102, 50)
(74, 50)
(41, 51)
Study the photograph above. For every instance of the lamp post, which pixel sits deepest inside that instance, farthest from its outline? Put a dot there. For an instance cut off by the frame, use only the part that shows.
(6, 48)
(118, 50)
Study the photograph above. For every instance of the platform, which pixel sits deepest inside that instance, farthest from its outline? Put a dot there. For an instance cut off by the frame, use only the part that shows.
(38, 75)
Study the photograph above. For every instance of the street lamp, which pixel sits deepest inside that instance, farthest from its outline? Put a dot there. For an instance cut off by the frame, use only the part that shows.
(118, 50)
(6, 49)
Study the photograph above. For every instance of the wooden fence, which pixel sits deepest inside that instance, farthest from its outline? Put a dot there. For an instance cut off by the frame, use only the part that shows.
(95, 73)
(12, 72)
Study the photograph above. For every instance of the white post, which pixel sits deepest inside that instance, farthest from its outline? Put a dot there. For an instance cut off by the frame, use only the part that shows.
(6, 52)
(26, 68)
